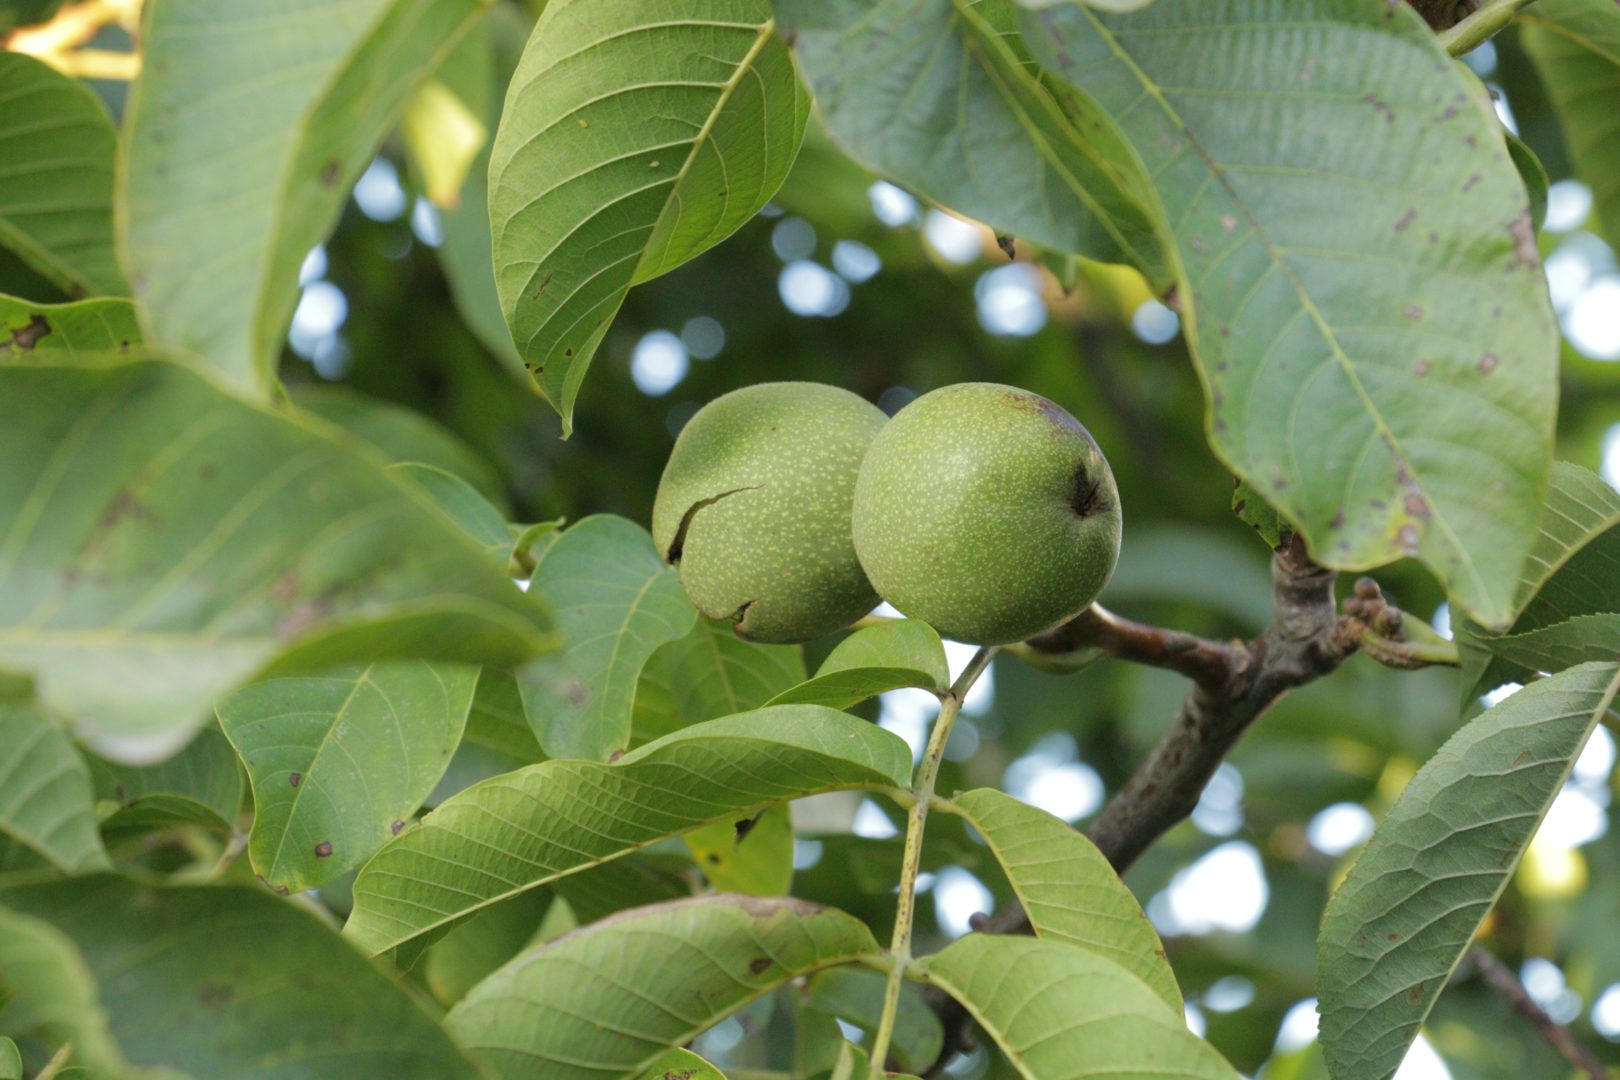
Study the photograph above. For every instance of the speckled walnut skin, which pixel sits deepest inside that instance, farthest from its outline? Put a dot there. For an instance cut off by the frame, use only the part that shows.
(987, 512)
(754, 507)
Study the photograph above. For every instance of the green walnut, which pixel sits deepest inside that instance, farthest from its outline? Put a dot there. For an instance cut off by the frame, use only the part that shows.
(754, 508)
(988, 512)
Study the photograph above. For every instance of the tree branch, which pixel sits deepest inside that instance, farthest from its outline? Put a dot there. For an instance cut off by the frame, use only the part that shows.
(1500, 978)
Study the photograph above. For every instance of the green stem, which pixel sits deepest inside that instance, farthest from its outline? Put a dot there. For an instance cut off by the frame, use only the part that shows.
(922, 791)
(1481, 26)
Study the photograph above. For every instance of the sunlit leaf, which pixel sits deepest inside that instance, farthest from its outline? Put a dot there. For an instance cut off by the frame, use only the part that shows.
(11, 1065)
(201, 785)
(497, 720)
(241, 146)
(616, 602)
(226, 980)
(874, 660)
(341, 760)
(750, 855)
(634, 138)
(940, 96)
(86, 332)
(1058, 1010)
(1398, 925)
(47, 803)
(708, 673)
(1576, 48)
(563, 1011)
(468, 954)
(57, 188)
(529, 827)
(1386, 373)
(1068, 889)
(161, 542)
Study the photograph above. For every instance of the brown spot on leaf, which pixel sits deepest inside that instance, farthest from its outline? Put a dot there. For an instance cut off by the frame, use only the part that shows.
(1412, 311)
(1408, 537)
(295, 778)
(1524, 241)
(1422, 368)
(396, 825)
(26, 336)
(1228, 222)
(323, 850)
(1338, 519)
(545, 283)
(1416, 505)
(1406, 221)
(577, 694)
(758, 964)
(329, 174)
(1008, 248)
(1488, 363)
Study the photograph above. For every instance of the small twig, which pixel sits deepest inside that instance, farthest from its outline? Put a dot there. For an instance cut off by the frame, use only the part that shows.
(1501, 979)
(1481, 26)
(57, 1063)
(1392, 637)
(1098, 632)
(923, 792)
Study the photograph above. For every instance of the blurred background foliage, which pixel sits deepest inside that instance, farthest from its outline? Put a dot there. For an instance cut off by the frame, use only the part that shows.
(847, 280)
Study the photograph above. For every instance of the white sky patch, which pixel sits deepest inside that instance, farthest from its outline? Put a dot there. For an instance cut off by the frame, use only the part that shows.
(1569, 202)
(955, 240)
(379, 193)
(810, 289)
(983, 693)
(872, 823)
(1220, 808)
(907, 712)
(854, 261)
(321, 312)
(1154, 323)
(1610, 467)
(1338, 828)
(1228, 994)
(793, 238)
(892, 206)
(1442, 620)
(1070, 790)
(425, 223)
(1597, 759)
(1493, 698)
(658, 363)
(1547, 987)
(1298, 1027)
(1009, 299)
(1422, 1063)
(1194, 1017)
(1592, 321)
(313, 268)
(1606, 1013)
(958, 896)
(1224, 890)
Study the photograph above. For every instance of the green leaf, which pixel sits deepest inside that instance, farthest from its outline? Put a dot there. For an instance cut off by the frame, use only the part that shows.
(497, 720)
(468, 954)
(1254, 511)
(873, 660)
(47, 803)
(161, 542)
(633, 139)
(1396, 928)
(938, 95)
(10, 1060)
(523, 829)
(855, 995)
(567, 1010)
(462, 504)
(616, 602)
(1058, 1010)
(710, 672)
(340, 761)
(681, 1064)
(56, 193)
(399, 433)
(1562, 645)
(1532, 172)
(1068, 889)
(227, 980)
(1570, 573)
(241, 146)
(751, 855)
(1386, 374)
(1575, 45)
(201, 785)
(87, 332)
(46, 990)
